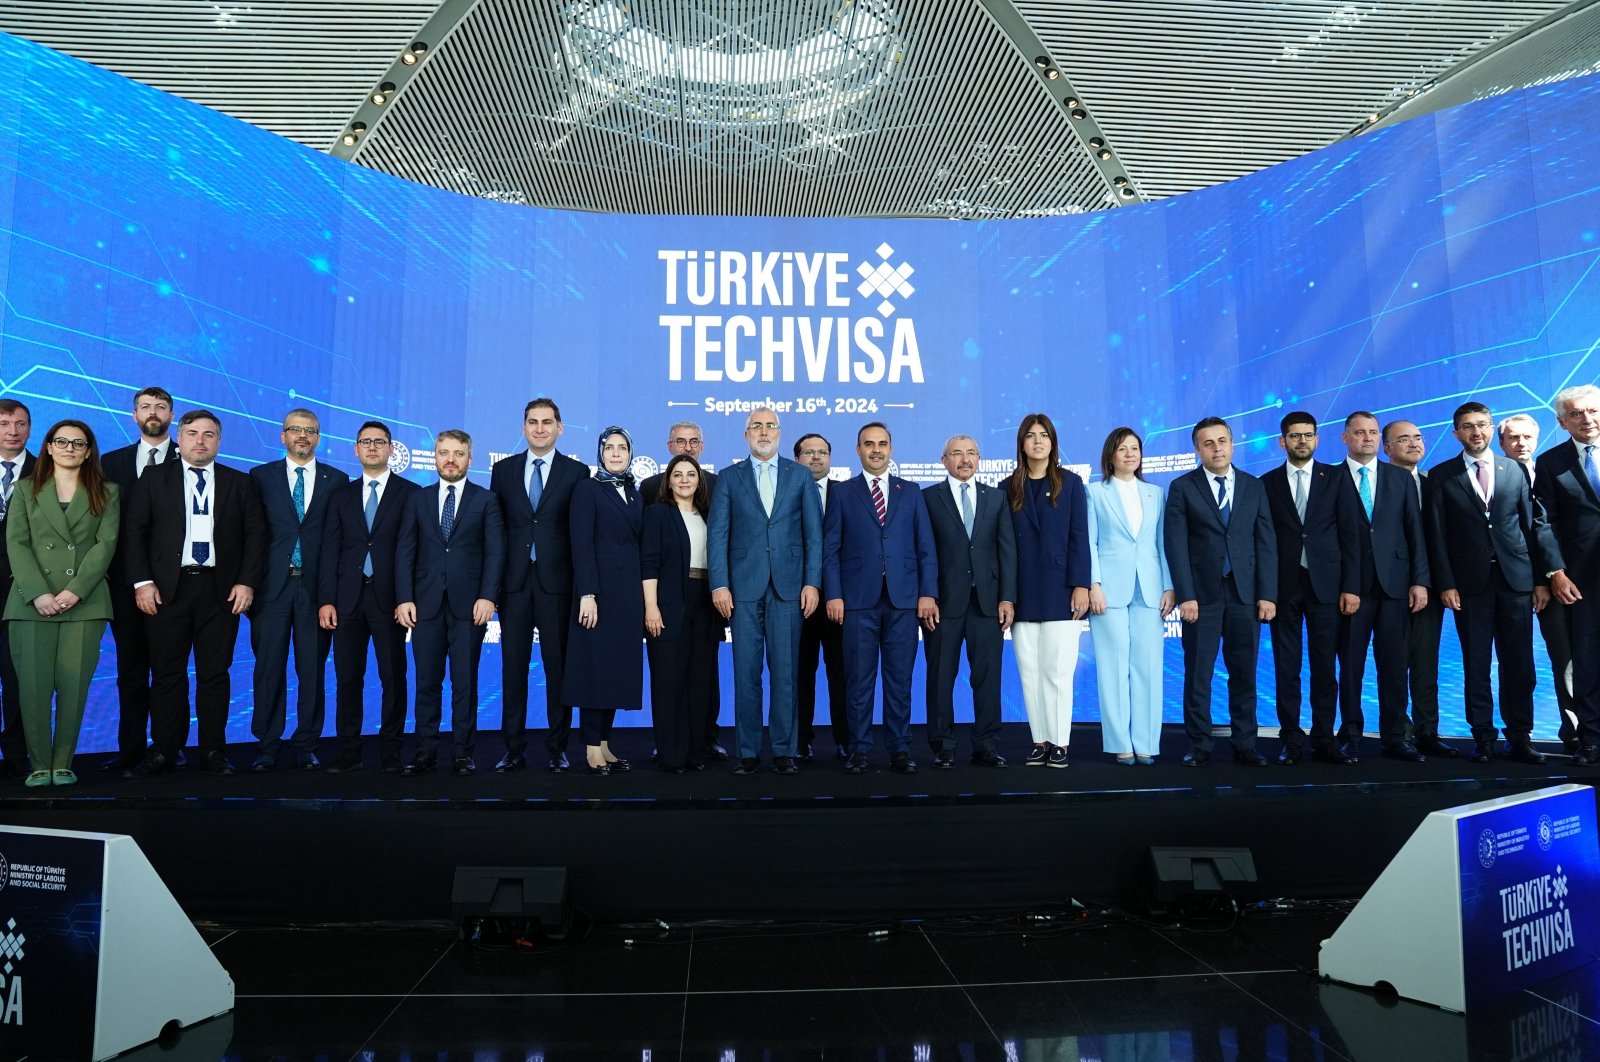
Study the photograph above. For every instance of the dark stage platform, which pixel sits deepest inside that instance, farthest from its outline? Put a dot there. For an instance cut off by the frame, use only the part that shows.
(311, 847)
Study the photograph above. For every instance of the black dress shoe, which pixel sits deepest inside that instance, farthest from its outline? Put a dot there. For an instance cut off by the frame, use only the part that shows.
(1569, 745)
(214, 762)
(1289, 755)
(349, 760)
(462, 766)
(748, 765)
(1249, 758)
(421, 763)
(511, 761)
(1482, 752)
(1430, 745)
(263, 763)
(1521, 751)
(1587, 756)
(1351, 750)
(307, 761)
(390, 764)
(944, 760)
(1403, 753)
(119, 763)
(841, 752)
(619, 764)
(1332, 754)
(807, 754)
(154, 763)
(716, 752)
(664, 769)
(12, 768)
(988, 758)
(558, 762)
(784, 765)
(902, 763)
(856, 764)
(589, 768)
(1196, 758)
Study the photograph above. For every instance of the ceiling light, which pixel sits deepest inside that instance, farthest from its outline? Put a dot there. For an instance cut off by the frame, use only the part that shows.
(1127, 193)
(356, 129)
(1097, 141)
(1071, 102)
(1119, 181)
(381, 95)
(412, 55)
(1053, 74)
(1042, 62)
(1079, 113)
(1103, 155)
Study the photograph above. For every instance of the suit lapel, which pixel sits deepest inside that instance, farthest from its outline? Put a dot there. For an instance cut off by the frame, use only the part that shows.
(47, 504)
(1110, 487)
(947, 498)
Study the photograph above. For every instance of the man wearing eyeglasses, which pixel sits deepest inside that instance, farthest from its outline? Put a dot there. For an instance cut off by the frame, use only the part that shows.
(356, 595)
(16, 424)
(296, 494)
(818, 634)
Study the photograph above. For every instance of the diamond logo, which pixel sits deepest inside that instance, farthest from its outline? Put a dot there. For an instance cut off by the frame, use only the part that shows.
(884, 280)
(11, 943)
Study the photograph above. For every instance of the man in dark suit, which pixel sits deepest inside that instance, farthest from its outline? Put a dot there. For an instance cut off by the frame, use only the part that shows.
(1567, 486)
(1312, 571)
(533, 490)
(1485, 538)
(819, 635)
(1223, 553)
(764, 552)
(195, 554)
(448, 564)
(152, 412)
(16, 424)
(1381, 525)
(977, 561)
(880, 577)
(296, 494)
(356, 598)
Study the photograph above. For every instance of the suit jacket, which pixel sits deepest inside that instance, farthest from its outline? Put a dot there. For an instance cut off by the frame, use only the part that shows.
(1388, 551)
(664, 557)
(121, 468)
(346, 542)
(987, 562)
(1332, 571)
(154, 528)
(1198, 543)
(26, 469)
(277, 501)
(1052, 552)
(747, 549)
(651, 488)
(1462, 541)
(51, 550)
(547, 528)
(1120, 560)
(859, 558)
(1573, 510)
(428, 570)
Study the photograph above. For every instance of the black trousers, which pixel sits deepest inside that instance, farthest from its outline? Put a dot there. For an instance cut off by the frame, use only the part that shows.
(594, 724)
(1303, 621)
(820, 636)
(1497, 623)
(1381, 623)
(447, 637)
(1231, 625)
(1553, 627)
(12, 744)
(1583, 627)
(1422, 666)
(682, 664)
(521, 613)
(290, 619)
(941, 647)
(370, 623)
(133, 674)
(197, 620)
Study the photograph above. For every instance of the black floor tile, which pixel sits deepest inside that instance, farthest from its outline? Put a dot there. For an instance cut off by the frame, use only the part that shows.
(598, 961)
(328, 962)
(1257, 940)
(804, 960)
(1063, 953)
(477, 1028)
(870, 1023)
(330, 1028)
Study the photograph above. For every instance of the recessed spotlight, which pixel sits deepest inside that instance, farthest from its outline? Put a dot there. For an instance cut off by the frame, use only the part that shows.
(381, 95)
(1079, 114)
(1119, 181)
(1103, 155)
(1041, 61)
(1097, 141)
(413, 54)
(1053, 74)
(1127, 193)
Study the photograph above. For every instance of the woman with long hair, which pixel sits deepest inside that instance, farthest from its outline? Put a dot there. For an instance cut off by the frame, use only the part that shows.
(1130, 592)
(61, 532)
(1050, 518)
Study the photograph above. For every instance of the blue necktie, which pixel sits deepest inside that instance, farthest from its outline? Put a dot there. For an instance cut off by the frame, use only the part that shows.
(1224, 510)
(200, 550)
(1364, 488)
(447, 519)
(1589, 469)
(299, 511)
(6, 484)
(966, 507)
(370, 511)
(535, 492)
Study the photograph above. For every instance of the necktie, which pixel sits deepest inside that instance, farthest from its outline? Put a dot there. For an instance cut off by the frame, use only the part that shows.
(1300, 507)
(1483, 481)
(879, 505)
(764, 484)
(535, 492)
(299, 511)
(6, 484)
(149, 461)
(200, 550)
(966, 507)
(1364, 488)
(447, 519)
(370, 511)
(1225, 510)
(822, 494)
(1416, 477)
(1589, 469)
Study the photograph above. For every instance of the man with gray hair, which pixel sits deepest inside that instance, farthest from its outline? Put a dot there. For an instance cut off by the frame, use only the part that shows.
(1566, 483)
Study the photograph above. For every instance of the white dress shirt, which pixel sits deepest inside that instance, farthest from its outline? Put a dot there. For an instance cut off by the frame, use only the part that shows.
(1132, 505)
(311, 478)
(460, 486)
(883, 485)
(695, 524)
(1472, 474)
(142, 457)
(1372, 474)
(192, 522)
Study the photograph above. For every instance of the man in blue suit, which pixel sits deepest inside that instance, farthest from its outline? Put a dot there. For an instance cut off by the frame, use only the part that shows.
(764, 547)
(977, 560)
(1223, 552)
(448, 565)
(296, 494)
(880, 574)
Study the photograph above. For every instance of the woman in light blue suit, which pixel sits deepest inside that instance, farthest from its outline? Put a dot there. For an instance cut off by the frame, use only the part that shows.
(1131, 593)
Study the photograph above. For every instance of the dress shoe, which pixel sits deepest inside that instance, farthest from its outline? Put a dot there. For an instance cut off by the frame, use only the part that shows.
(1569, 745)
(1249, 758)
(307, 761)
(857, 763)
(558, 762)
(1587, 756)
(37, 779)
(511, 761)
(390, 763)
(1289, 755)
(180, 760)
(1332, 754)
(421, 763)
(1432, 746)
(119, 763)
(944, 760)
(619, 764)
(212, 761)
(349, 760)
(1196, 758)
(670, 770)
(1520, 751)
(902, 763)
(1038, 756)
(1057, 757)
(154, 763)
(988, 758)
(263, 763)
(748, 765)
(696, 765)
(655, 755)
(716, 752)
(784, 765)
(1144, 761)
(63, 776)
(1403, 753)
(841, 752)
(1351, 750)
(10, 768)
(1482, 752)
(462, 766)
(807, 754)
(589, 768)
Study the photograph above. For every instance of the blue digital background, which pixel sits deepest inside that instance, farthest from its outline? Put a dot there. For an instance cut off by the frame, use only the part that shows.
(144, 239)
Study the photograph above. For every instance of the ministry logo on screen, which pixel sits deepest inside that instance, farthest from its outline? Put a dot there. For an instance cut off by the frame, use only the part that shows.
(5, 871)
(399, 457)
(1486, 848)
(1546, 833)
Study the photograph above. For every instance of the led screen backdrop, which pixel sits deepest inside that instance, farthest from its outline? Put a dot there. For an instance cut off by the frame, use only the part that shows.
(146, 240)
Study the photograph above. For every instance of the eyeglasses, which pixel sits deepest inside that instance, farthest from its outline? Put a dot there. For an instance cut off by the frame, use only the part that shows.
(759, 425)
(1301, 436)
(816, 453)
(373, 442)
(295, 429)
(69, 444)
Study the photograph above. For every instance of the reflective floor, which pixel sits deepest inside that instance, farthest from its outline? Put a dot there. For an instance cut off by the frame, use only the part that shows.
(1073, 985)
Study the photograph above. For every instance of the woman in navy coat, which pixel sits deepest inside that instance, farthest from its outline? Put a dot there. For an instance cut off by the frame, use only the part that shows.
(1049, 514)
(605, 670)
(683, 628)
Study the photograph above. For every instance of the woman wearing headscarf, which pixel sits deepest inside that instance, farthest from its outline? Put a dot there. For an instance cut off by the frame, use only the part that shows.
(61, 531)
(605, 669)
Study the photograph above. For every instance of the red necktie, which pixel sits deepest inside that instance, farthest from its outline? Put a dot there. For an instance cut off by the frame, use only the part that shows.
(878, 504)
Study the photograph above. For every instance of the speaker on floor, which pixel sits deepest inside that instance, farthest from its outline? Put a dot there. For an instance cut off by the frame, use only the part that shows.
(520, 901)
(1197, 878)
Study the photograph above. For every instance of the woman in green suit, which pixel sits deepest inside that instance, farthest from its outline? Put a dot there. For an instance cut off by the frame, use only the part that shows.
(60, 533)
